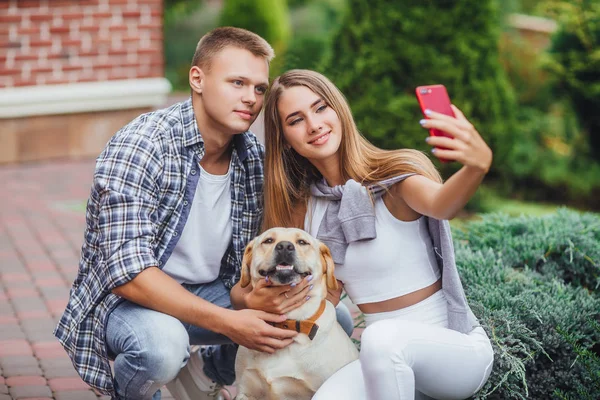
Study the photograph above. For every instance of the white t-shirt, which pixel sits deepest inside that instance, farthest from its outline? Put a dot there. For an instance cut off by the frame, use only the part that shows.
(197, 255)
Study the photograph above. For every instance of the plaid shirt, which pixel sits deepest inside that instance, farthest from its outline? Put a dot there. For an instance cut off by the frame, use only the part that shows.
(142, 191)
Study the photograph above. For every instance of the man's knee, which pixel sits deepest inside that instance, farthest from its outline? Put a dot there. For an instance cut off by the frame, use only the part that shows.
(154, 343)
(165, 353)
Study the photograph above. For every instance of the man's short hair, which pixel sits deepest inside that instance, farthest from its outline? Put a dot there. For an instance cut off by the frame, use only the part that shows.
(218, 39)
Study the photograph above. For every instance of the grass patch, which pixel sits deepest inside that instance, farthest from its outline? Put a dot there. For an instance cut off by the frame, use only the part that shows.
(517, 207)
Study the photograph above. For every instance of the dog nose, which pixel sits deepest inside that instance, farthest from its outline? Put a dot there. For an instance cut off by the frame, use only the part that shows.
(285, 246)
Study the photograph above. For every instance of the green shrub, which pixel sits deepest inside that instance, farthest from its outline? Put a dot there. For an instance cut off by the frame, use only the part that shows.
(305, 52)
(313, 25)
(523, 316)
(522, 62)
(558, 95)
(183, 29)
(298, 3)
(575, 61)
(267, 18)
(514, 272)
(589, 389)
(386, 49)
(176, 9)
(531, 7)
(564, 245)
(551, 158)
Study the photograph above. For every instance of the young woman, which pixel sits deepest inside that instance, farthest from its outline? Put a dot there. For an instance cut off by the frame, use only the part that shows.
(384, 216)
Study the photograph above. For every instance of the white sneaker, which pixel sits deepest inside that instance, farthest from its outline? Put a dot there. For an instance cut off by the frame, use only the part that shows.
(192, 383)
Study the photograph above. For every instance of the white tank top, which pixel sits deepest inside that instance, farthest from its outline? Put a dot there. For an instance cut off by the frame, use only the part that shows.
(197, 255)
(399, 261)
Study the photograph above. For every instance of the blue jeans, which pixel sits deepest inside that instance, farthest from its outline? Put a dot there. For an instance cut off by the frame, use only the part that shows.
(149, 348)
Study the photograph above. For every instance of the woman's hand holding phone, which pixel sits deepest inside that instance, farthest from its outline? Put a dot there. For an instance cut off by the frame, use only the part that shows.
(464, 145)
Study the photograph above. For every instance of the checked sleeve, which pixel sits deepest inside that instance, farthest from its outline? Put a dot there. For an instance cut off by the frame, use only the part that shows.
(127, 183)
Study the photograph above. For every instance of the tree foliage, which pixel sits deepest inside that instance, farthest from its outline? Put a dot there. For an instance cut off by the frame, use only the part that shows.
(267, 18)
(575, 61)
(384, 50)
(174, 9)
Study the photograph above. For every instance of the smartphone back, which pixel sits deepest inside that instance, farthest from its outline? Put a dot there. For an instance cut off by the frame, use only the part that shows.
(434, 98)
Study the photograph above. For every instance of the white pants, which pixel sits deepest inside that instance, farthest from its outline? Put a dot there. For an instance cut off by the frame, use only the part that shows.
(411, 354)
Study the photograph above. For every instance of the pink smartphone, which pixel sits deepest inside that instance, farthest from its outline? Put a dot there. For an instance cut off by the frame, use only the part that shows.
(435, 98)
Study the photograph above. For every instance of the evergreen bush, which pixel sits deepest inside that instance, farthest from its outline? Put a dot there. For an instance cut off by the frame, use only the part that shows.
(385, 49)
(175, 9)
(184, 24)
(543, 329)
(558, 93)
(267, 18)
(575, 61)
(589, 358)
(564, 245)
(313, 23)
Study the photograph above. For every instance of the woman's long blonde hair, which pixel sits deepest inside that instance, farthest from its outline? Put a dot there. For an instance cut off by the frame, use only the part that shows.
(288, 175)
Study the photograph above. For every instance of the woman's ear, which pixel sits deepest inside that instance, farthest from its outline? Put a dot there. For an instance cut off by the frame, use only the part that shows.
(246, 262)
(196, 78)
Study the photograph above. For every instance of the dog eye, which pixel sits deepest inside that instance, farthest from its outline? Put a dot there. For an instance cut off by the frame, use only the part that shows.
(302, 242)
(268, 241)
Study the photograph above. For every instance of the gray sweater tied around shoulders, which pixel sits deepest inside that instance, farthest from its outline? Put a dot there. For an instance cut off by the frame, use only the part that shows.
(350, 217)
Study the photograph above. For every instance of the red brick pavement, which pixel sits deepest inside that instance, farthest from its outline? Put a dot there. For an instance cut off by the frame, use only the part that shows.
(42, 218)
(41, 231)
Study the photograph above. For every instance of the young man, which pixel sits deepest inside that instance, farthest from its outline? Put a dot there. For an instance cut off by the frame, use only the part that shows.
(175, 198)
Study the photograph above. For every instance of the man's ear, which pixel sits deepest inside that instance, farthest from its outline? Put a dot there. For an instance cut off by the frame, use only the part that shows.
(196, 77)
(328, 266)
(246, 262)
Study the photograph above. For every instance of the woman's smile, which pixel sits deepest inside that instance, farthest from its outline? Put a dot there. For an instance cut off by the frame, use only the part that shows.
(321, 139)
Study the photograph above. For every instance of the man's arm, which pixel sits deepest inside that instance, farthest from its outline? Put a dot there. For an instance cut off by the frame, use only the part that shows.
(154, 289)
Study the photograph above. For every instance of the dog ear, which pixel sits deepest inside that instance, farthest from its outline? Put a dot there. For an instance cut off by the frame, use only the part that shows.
(328, 267)
(246, 261)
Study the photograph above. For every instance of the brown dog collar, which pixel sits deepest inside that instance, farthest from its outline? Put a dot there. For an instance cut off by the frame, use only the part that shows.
(306, 326)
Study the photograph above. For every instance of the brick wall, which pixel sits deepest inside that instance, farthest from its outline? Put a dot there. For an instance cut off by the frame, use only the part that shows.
(45, 42)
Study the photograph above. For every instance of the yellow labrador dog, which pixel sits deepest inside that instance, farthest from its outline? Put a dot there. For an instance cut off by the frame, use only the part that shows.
(295, 372)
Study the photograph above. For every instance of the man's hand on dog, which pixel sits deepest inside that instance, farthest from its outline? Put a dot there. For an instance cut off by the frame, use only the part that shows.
(278, 299)
(251, 329)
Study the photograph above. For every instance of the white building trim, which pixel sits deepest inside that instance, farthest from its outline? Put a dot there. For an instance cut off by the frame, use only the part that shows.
(83, 97)
(532, 23)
